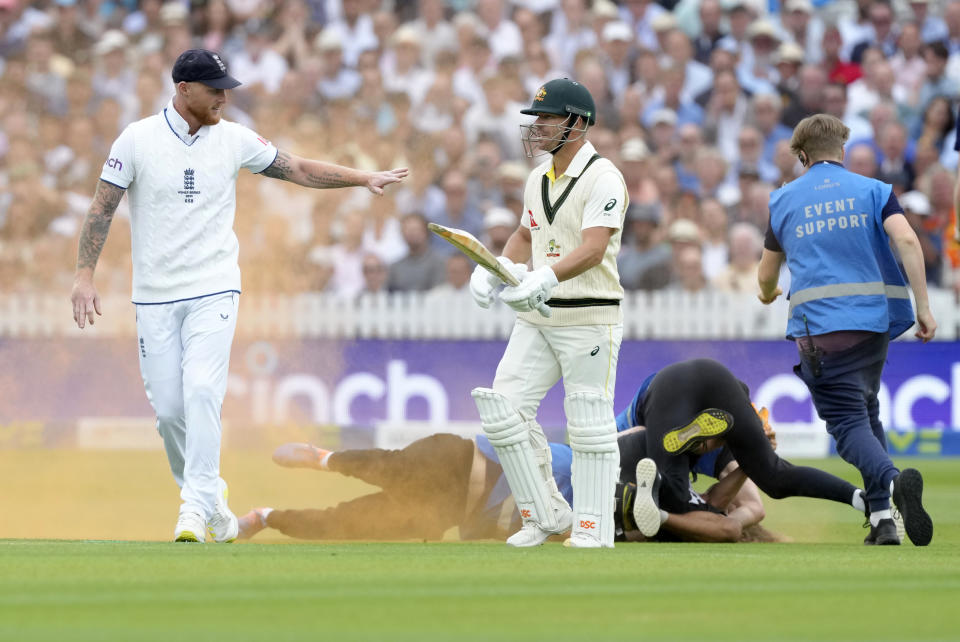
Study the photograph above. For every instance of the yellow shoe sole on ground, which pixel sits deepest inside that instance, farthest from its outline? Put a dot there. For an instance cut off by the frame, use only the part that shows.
(710, 423)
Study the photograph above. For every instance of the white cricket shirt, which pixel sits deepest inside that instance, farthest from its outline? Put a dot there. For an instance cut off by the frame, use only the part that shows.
(588, 194)
(182, 194)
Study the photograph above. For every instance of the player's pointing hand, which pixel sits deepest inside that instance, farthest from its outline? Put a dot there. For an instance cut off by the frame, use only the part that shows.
(379, 180)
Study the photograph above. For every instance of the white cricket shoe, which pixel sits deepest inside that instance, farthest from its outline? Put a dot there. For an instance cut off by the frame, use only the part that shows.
(646, 501)
(583, 540)
(532, 535)
(190, 528)
(223, 526)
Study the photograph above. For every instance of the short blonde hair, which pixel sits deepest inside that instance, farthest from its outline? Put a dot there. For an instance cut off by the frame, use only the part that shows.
(819, 136)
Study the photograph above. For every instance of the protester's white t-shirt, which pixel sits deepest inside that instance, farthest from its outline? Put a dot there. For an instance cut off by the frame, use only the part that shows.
(182, 194)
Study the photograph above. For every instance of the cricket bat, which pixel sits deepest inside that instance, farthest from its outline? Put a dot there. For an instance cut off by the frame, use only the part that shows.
(469, 245)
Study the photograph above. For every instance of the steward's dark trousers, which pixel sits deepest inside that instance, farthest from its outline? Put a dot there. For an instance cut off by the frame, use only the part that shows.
(845, 396)
(424, 494)
(679, 393)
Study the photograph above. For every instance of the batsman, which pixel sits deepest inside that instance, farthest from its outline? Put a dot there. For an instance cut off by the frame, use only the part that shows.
(569, 232)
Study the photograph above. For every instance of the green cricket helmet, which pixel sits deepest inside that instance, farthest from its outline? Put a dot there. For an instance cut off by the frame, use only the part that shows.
(562, 97)
(558, 97)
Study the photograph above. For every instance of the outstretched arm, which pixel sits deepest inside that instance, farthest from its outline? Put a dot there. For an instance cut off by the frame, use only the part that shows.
(320, 175)
(93, 235)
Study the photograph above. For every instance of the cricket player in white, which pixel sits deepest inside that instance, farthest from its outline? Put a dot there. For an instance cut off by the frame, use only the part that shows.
(569, 324)
(180, 169)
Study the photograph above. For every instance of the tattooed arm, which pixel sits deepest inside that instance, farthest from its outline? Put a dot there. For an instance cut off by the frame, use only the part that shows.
(93, 235)
(320, 175)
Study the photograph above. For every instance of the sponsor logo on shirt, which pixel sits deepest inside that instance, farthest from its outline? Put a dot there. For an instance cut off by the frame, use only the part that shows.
(189, 184)
(114, 163)
(533, 223)
(610, 205)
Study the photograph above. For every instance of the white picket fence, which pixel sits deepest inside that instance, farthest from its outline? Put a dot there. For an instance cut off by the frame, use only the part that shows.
(647, 315)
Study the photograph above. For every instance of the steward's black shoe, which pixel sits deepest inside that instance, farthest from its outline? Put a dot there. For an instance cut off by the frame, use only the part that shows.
(883, 534)
(907, 491)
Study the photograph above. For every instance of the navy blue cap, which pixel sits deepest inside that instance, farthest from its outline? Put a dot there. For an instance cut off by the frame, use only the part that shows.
(200, 65)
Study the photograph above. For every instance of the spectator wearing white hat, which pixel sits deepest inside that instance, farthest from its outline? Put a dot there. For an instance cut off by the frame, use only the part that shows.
(788, 60)
(763, 38)
(635, 163)
(686, 265)
(615, 45)
(803, 27)
(402, 71)
(113, 76)
(336, 79)
(498, 224)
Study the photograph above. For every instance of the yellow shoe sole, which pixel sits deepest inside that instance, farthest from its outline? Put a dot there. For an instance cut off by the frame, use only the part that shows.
(187, 536)
(710, 423)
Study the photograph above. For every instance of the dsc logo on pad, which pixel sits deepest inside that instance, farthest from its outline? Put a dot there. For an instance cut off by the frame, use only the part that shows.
(589, 524)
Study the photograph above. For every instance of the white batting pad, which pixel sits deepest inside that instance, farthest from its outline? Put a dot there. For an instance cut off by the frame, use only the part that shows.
(510, 436)
(592, 429)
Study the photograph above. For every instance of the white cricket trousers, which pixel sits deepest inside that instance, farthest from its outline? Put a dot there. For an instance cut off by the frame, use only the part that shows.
(537, 356)
(184, 360)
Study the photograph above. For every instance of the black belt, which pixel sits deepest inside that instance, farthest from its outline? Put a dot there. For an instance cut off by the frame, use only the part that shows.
(581, 303)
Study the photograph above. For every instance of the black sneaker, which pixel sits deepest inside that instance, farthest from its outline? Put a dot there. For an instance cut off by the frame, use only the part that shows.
(907, 490)
(623, 509)
(883, 534)
(710, 423)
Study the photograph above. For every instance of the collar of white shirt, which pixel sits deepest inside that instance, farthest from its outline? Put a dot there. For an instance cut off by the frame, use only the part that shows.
(580, 160)
(179, 126)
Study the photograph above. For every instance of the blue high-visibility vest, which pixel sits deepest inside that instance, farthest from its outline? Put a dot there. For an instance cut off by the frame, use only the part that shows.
(844, 275)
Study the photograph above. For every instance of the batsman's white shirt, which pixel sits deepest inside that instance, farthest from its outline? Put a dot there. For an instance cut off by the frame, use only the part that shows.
(556, 211)
(182, 195)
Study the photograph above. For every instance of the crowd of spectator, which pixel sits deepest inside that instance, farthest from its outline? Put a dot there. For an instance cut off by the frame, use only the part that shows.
(696, 101)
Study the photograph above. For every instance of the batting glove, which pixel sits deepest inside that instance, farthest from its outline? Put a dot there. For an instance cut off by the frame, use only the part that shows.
(533, 292)
(483, 283)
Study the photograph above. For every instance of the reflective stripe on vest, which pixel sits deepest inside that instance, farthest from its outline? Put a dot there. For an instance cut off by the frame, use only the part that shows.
(848, 289)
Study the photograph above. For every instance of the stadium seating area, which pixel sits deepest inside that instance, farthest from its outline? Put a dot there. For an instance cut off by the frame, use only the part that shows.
(696, 100)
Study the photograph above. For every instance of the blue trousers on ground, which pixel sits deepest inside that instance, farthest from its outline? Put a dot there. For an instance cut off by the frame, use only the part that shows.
(845, 395)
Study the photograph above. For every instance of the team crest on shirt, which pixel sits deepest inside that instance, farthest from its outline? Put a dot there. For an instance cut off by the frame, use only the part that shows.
(189, 185)
(553, 249)
(533, 223)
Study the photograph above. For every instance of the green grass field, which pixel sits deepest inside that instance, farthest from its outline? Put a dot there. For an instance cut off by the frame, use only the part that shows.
(825, 585)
